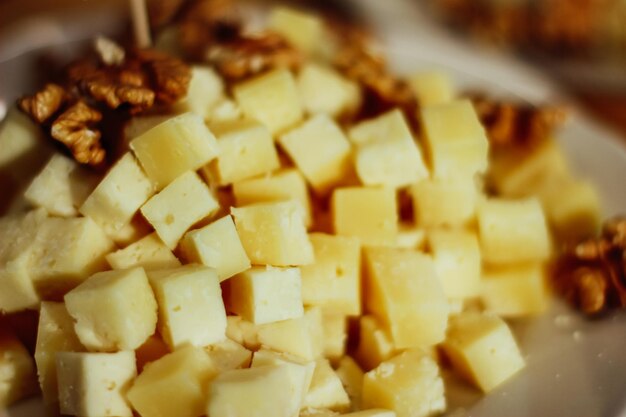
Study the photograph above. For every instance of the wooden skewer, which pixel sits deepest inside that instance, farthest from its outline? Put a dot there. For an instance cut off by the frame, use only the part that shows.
(141, 27)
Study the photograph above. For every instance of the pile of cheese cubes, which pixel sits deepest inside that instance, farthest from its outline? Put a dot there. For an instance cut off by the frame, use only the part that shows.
(215, 268)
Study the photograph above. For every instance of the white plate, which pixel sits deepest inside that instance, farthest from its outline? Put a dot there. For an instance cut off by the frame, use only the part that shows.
(576, 367)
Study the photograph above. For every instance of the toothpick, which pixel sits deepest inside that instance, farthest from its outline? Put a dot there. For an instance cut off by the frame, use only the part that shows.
(141, 26)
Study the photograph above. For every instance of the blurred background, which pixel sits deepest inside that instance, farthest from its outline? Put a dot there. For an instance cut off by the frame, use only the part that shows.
(579, 44)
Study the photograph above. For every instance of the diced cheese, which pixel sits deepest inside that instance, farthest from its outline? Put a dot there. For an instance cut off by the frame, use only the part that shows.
(444, 202)
(326, 390)
(324, 90)
(351, 377)
(375, 344)
(184, 202)
(190, 303)
(17, 370)
(205, 91)
(303, 30)
(148, 252)
(113, 310)
(228, 354)
(335, 335)
(432, 87)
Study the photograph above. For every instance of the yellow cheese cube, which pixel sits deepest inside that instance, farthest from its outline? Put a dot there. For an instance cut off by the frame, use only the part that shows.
(119, 195)
(456, 254)
(375, 344)
(300, 373)
(271, 98)
(274, 233)
(409, 384)
(326, 390)
(432, 87)
(481, 347)
(444, 202)
(139, 125)
(333, 282)
(153, 349)
(113, 310)
(254, 392)
(228, 354)
(217, 245)
(60, 187)
(303, 30)
(17, 370)
(351, 377)
(320, 150)
(457, 143)
(266, 294)
(515, 291)
(287, 184)
(513, 231)
(335, 335)
(182, 143)
(18, 242)
(573, 209)
(246, 149)
(67, 251)
(149, 252)
(205, 91)
(324, 90)
(367, 213)
(189, 370)
(403, 290)
(190, 303)
(94, 384)
(55, 333)
(301, 336)
(184, 202)
(242, 332)
(386, 153)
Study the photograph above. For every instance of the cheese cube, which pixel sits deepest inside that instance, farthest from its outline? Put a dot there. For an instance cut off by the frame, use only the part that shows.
(515, 291)
(274, 233)
(228, 354)
(246, 149)
(153, 349)
(444, 202)
(324, 90)
(271, 98)
(191, 309)
(17, 371)
(432, 87)
(266, 294)
(182, 143)
(254, 392)
(60, 187)
(301, 336)
(351, 377)
(55, 333)
(243, 332)
(335, 327)
(369, 214)
(513, 231)
(409, 384)
(303, 30)
(119, 195)
(375, 344)
(226, 110)
(113, 310)
(456, 254)
(481, 348)
(456, 139)
(67, 251)
(139, 125)
(320, 150)
(149, 252)
(184, 202)
(19, 232)
(573, 209)
(131, 232)
(403, 290)
(333, 282)
(386, 153)
(326, 390)
(217, 245)
(94, 384)
(188, 369)
(287, 184)
(205, 91)
(300, 373)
